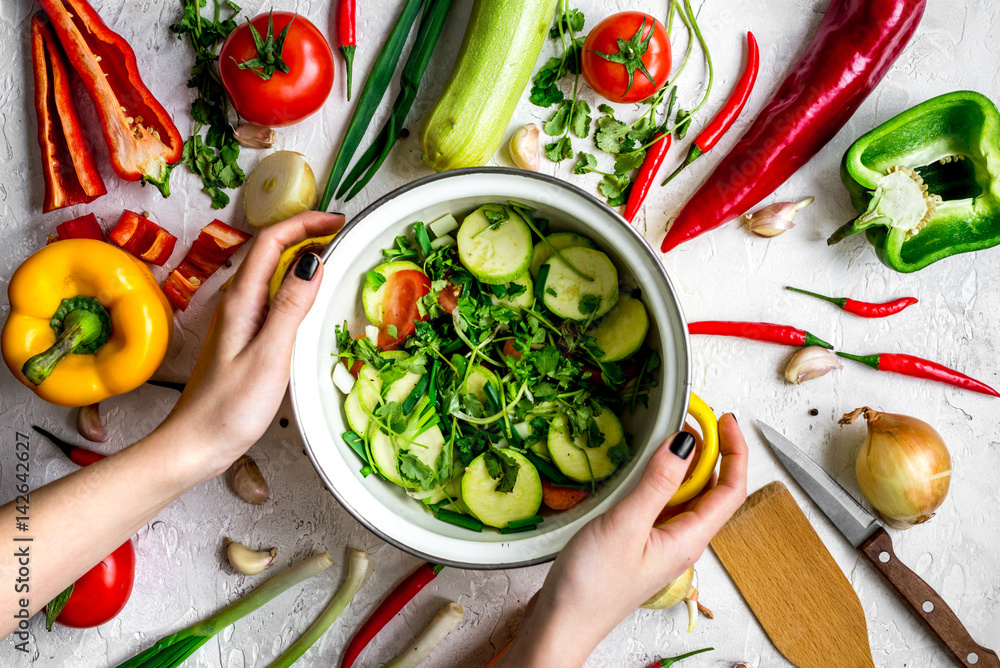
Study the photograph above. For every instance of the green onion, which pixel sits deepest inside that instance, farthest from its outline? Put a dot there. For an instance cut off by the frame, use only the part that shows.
(458, 519)
(529, 522)
(357, 444)
(551, 472)
(371, 96)
(543, 276)
(423, 239)
(431, 25)
(415, 394)
(174, 649)
(358, 571)
(507, 530)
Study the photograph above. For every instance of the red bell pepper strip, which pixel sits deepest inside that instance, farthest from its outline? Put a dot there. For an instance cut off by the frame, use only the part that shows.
(729, 112)
(908, 365)
(142, 140)
(856, 44)
(143, 238)
(650, 166)
(758, 331)
(84, 227)
(68, 166)
(388, 609)
(216, 243)
(347, 38)
(77, 455)
(863, 309)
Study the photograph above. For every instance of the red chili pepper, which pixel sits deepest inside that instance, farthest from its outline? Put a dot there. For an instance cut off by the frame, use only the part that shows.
(908, 365)
(84, 227)
(142, 140)
(651, 164)
(143, 238)
(856, 44)
(77, 455)
(758, 331)
(347, 39)
(863, 309)
(388, 609)
(68, 166)
(216, 243)
(730, 111)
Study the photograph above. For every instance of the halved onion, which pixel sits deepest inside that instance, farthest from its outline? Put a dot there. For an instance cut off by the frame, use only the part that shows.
(282, 185)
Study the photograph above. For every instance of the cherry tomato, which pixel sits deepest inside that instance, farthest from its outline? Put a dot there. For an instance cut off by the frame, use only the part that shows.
(562, 498)
(610, 79)
(101, 593)
(285, 98)
(403, 290)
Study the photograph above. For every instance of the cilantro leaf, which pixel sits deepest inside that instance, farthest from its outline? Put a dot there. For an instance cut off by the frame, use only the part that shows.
(374, 280)
(568, 21)
(614, 188)
(589, 303)
(413, 470)
(626, 163)
(503, 468)
(559, 150)
(586, 164)
(556, 125)
(620, 453)
(580, 119)
(610, 133)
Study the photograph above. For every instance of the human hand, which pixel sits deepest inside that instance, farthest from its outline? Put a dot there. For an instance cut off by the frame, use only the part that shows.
(242, 371)
(621, 558)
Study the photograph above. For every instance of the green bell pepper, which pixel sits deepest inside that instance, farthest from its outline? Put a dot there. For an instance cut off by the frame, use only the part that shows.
(927, 182)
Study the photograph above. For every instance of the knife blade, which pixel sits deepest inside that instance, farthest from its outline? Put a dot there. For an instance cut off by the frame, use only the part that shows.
(871, 539)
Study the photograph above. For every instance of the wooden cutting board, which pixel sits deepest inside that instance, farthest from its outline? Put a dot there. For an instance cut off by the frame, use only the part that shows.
(794, 587)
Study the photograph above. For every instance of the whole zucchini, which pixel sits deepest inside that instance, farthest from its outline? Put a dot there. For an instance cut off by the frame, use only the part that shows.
(499, 51)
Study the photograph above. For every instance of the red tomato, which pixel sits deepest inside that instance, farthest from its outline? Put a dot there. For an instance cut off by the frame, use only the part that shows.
(611, 79)
(509, 349)
(283, 99)
(562, 498)
(102, 592)
(448, 298)
(399, 306)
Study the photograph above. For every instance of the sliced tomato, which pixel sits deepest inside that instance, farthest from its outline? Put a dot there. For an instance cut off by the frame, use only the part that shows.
(403, 290)
(448, 298)
(509, 349)
(562, 498)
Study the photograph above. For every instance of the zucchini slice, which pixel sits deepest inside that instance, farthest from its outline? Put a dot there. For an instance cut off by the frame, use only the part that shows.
(526, 299)
(622, 331)
(476, 381)
(494, 256)
(386, 448)
(497, 509)
(364, 395)
(371, 299)
(401, 389)
(575, 459)
(559, 240)
(569, 295)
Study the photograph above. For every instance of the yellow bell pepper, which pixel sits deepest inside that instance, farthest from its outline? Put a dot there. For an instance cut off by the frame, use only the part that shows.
(705, 465)
(87, 321)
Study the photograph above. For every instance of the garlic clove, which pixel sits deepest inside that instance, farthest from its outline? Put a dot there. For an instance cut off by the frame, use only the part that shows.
(255, 136)
(809, 363)
(524, 147)
(247, 561)
(775, 219)
(248, 481)
(88, 423)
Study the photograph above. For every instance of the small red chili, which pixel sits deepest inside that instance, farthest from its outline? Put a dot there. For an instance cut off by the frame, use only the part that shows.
(388, 609)
(863, 309)
(347, 39)
(730, 111)
(651, 164)
(77, 455)
(908, 365)
(758, 331)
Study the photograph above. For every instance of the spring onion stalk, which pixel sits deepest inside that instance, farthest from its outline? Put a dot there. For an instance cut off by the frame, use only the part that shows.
(370, 97)
(444, 622)
(358, 572)
(171, 651)
(431, 25)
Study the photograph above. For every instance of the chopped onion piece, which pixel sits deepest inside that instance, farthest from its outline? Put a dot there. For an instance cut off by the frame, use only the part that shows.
(446, 240)
(523, 429)
(371, 331)
(282, 185)
(342, 378)
(444, 225)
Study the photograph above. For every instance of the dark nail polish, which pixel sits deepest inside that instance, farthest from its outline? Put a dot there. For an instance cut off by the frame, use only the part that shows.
(306, 267)
(682, 445)
(337, 213)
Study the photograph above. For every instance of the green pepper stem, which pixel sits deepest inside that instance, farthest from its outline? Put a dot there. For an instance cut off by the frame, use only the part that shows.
(80, 327)
(813, 340)
(870, 360)
(839, 301)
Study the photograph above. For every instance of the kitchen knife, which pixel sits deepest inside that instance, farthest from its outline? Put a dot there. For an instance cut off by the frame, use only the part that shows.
(870, 538)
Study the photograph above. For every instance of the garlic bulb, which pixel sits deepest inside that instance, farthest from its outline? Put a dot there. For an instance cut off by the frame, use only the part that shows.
(775, 219)
(809, 363)
(524, 147)
(248, 481)
(903, 467)
(247, 561)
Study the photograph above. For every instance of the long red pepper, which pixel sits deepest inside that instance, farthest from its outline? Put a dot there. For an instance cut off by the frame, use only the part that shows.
(856, 44)
(68, 166)
(77, 455)
(651, 164)
(347, 38)
(908, 365)
(393, 603)
(729, 112)
(863, 309)
(758, 331)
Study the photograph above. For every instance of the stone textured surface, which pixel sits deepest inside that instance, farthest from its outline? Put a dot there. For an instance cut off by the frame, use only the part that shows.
(725, 275)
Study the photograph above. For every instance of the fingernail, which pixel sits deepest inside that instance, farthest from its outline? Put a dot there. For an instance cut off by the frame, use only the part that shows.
(682, 445)
(306, 267)
(337, 213)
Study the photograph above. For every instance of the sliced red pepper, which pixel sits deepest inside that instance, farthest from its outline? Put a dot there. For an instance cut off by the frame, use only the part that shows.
(84, 227)
(143, 238)
(216, 244)
(142, 139)
(68, 165)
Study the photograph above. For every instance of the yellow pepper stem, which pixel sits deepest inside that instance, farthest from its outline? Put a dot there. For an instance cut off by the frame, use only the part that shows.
(82, 326)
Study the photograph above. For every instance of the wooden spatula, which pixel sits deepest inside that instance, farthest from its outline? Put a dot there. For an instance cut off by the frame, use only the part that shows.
(792, 584)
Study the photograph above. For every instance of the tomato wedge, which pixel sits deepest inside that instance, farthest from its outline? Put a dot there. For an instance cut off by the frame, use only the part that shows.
(403, 290)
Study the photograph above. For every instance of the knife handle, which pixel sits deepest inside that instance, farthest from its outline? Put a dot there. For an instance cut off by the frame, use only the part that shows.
(927, 604)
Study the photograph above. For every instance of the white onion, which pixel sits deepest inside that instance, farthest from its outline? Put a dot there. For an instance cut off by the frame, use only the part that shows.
(443, 225)
(342, 378)
(371, 331)
(282, 185)
(446, 240)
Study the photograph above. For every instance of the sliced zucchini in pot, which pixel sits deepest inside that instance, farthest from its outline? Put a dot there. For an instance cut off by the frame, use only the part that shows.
(622, 331)
(569, 295)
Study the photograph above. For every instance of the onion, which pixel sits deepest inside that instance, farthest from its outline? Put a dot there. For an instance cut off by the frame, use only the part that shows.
(903, 467)
(282, 185)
